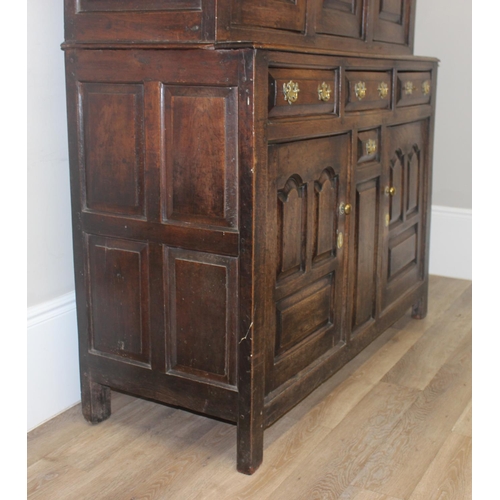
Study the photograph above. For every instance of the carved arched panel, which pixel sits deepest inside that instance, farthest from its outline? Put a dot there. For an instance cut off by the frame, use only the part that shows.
(326, 200)
(397, 182)
(292, 216)
(413, 180)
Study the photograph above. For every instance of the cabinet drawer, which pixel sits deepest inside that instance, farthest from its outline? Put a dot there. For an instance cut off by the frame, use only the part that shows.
(368, 90)
(299, 92)
(414, 88)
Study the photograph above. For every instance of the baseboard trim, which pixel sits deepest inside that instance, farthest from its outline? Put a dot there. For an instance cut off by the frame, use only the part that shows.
(451, 242)
(53, 379)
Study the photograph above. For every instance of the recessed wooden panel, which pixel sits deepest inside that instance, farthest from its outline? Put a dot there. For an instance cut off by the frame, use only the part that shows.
(112, 132)
(392, 21)
(199, 180)
(340, 17)
(287, 15)
(202, 309)
(134, 5)
(365, 250)
(303, 313)
(402, 252)
(119, 298)
(326, 202)
(292, 218)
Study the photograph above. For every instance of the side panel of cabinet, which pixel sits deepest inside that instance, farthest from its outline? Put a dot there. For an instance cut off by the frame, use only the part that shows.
(405, 171)
(155, 170)
(109, 21)
(309, 182)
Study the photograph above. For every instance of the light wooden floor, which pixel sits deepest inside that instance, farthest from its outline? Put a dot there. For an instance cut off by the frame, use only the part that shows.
(395, 423)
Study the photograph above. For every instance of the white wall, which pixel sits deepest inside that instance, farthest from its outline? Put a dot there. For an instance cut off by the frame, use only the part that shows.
(50, 264)
(442, 30)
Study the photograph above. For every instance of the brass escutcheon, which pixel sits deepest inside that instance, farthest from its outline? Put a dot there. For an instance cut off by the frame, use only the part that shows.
(291, 91)
(360, 90)
(426, 87)
(387, 220)
(409, 88)
(340, 240)
(324, 92)
(371, 147)
(383, 90)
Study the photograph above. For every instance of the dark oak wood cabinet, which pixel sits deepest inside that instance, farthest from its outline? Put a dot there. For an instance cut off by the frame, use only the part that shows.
(251, 196)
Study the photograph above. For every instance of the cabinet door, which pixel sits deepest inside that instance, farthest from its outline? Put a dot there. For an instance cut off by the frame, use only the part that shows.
(404, 171)
(309, 178)
(340, 17)
(392, 21)
(280, 14)
(365, 227)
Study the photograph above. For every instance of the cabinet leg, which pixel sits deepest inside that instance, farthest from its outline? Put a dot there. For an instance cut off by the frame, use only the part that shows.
(96, 401)
(419, 309)
(250, 446)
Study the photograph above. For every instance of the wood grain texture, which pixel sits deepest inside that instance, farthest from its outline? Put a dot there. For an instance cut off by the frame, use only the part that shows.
(354, 438)
(450, 473)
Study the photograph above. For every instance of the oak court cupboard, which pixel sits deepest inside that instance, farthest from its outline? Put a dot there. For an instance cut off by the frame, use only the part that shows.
(251, 193)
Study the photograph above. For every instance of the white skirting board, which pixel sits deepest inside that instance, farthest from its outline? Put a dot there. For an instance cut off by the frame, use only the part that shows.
(451, 242)
(53, 373)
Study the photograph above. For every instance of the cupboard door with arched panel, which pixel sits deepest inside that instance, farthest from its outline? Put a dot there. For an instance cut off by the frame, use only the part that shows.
(403, 204)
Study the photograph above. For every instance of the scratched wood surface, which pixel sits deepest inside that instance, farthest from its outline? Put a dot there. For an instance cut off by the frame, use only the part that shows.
(394, 424)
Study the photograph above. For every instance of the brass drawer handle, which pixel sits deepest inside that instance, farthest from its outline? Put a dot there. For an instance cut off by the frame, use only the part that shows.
(371, 147)
(360, 90)
(391, 191)
(426, 87)
(345, 208)
(383, 90)
(291, 91)
(409, 88)
(324, 92)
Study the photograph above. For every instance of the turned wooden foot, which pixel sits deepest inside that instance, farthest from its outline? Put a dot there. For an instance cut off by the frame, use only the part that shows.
(96, 401)
(419, 309)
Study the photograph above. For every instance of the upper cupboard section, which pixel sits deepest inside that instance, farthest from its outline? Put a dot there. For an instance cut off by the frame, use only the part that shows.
(377, 26)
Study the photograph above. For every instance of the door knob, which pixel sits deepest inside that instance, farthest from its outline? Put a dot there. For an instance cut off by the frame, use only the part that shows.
(390, 191)
(345, 208)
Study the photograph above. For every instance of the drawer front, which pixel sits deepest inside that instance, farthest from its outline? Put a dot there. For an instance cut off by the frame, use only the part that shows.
(369, 146)
(300, 92)
(367, 90)
(414, 88)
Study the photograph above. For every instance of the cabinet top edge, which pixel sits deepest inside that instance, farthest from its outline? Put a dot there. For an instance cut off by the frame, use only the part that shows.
(67, 45)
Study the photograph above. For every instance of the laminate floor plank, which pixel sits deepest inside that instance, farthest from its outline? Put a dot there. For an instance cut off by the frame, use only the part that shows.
(353, 493)
(281, 455)
(327, 471)
(449, 477)
(464, 423)
(426, 357)
(371, 432)
(398, 464)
